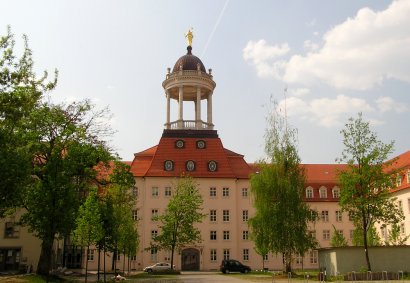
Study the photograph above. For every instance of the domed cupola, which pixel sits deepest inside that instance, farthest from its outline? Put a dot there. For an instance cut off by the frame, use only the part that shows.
(189, 82)
(189, 62)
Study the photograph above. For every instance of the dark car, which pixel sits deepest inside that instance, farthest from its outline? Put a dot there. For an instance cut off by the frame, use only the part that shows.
(232, 265)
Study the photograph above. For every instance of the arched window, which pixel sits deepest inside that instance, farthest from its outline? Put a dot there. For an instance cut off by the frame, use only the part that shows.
(323, 192)
(309, 192)
(336, 192)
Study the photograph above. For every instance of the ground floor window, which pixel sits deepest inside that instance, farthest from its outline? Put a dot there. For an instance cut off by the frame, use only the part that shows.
(213, 254)
(313, 256)
(226, 254)
(245, 254)
(154, 254)
(90, 254)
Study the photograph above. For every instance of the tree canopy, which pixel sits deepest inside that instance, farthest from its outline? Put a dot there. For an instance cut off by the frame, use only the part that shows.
(278, 190)
(178, 221)
(366, 181)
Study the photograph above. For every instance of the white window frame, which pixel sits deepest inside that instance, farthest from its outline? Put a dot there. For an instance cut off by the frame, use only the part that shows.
(336, 192)
(245, 235)
(226, 253)
(226, 235)
(212, 235)
(212, 215)
(225, 215)
(339, 216)
(245, 192)
(155, 192)
(324, 216)
(212, 255)
(322, 192)
(225, 192)
(309, 192)
(245, 254)
(167, 191)
(212, 192)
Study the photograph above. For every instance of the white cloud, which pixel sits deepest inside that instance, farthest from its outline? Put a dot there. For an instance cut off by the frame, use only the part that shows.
(299, 91)
(325, 112)
(358, 54)
(386, 104)
(310, 45)
(262, 56)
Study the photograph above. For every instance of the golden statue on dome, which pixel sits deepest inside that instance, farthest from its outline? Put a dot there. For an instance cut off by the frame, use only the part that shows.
(189, 36)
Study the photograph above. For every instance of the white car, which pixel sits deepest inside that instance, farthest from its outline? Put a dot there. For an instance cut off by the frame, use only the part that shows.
(159, 266)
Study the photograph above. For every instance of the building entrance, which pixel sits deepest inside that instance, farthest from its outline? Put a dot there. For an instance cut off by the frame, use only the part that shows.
(190, 259)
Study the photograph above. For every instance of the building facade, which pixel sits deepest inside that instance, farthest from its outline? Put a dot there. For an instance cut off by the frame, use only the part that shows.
(193, 147)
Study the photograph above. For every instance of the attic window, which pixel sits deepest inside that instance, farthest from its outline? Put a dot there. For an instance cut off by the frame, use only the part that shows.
(168, 165)
(398, 180)
(179, 144)
(408, 176)
(212, 166)
(200, 144)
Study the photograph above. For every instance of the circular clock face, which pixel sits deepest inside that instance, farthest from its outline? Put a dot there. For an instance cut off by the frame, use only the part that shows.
(200, 144)
(212, 166)
(169, 165)
(190, 165)
(179, 143)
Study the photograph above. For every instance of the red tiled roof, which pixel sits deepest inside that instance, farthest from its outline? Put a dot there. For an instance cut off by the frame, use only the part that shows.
(150, 162)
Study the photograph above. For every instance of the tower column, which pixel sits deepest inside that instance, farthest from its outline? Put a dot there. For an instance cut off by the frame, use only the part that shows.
(168, 126)
(209, 109)
(198, 121)
(181, 107)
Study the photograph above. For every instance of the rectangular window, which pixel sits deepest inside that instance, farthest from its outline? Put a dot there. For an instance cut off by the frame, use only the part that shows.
(338, 215)
(313, 233)
(265, 257)
(168, 191)
(135, 191)
(154, 192)
(245, 254)
(402, 229)
(133, 257)
(401, 205)
(225, 215)
(154, 234)
(351, 233)
(323, 193)
(90, 255)
(135, 215)
(408, 176)
(309, 192)
(324, 216)
(154, 213)
(212, 253)
(408, 204)
(12, 230)
(154, 254)
(350, 216)
(225, 192)
(212, 192)
(226, 235)
(336, 192)
(313, 256)
(299, 259)
(212, 215)
(326, 235)
(226, 254)
(118, 256)
(212, 235)
(245, 235)
(244, 192)
(398, 180)
(245, 215)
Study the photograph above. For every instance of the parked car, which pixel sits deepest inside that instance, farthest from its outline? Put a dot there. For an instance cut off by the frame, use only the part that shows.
(159, 266)
(232, 265)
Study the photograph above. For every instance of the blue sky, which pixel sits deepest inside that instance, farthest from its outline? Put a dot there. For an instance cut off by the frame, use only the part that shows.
(335, 58)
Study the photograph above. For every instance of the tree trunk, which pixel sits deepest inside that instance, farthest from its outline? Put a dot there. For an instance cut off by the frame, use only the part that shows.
(86, 264)
(98, 268)
(123, 265)
(366, 248)
(44, 263)
(172, 257)
(105, 279)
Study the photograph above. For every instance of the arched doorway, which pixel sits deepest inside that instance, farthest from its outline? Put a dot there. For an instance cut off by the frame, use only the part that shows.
(190, 259)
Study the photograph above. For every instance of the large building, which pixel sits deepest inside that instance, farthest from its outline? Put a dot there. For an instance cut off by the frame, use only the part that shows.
(193, 147)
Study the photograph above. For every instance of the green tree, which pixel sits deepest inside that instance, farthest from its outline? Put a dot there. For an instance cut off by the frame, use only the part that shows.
(338, 239)
(373, 238)
(365, 182)
(259, 236)
(178, 221)
(20, 93)
(89, 227)
(278, 189)
(65, 148)
(396, 237)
